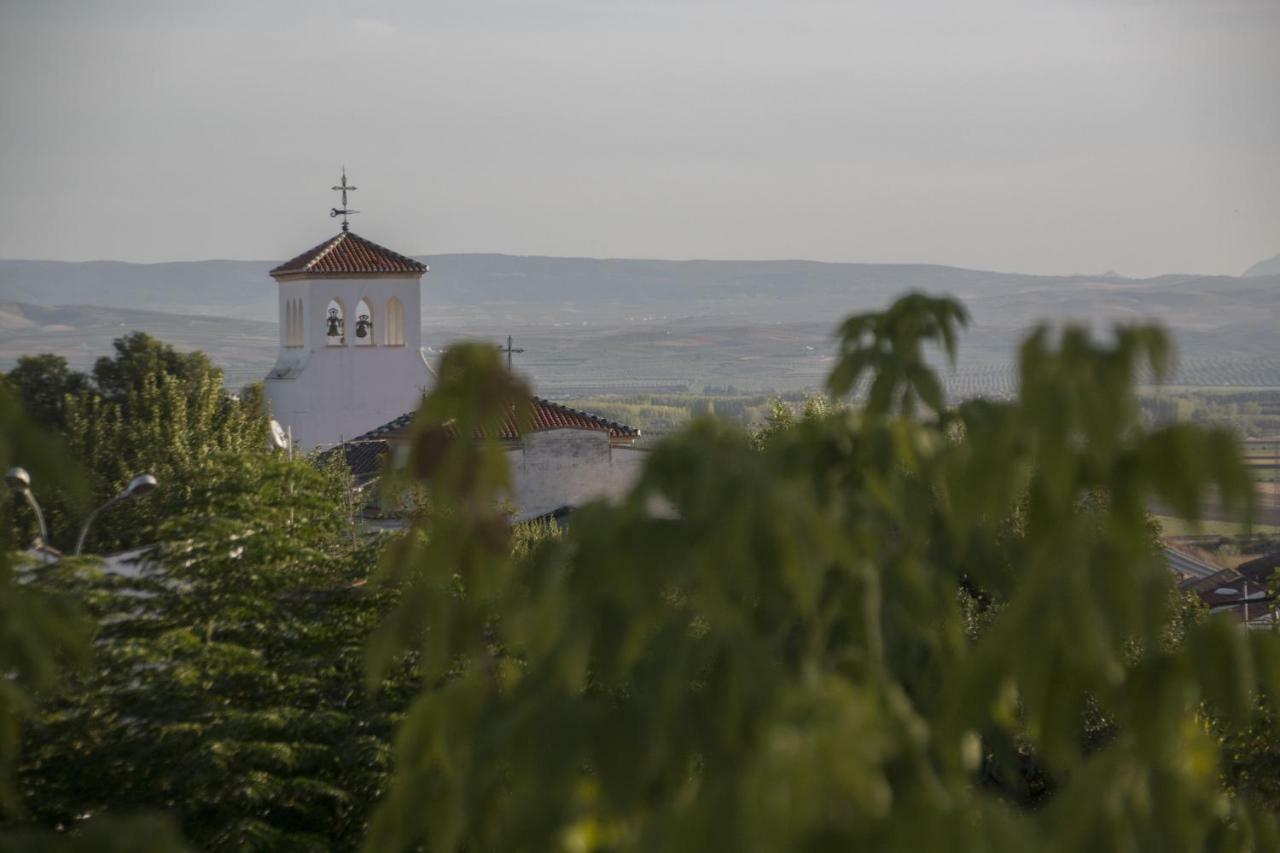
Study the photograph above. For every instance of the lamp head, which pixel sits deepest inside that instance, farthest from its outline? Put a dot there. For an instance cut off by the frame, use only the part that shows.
(18, 479)
(139, 485)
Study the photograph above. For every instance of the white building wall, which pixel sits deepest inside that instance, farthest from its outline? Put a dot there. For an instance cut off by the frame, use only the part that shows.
(328, 393)
(568, 467)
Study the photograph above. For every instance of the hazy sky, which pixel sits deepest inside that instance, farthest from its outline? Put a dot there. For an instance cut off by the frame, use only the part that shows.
(1027, 135)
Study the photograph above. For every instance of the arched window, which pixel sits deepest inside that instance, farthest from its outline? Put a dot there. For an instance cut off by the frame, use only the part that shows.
(394, 324)
(364, 324)
(335, 324)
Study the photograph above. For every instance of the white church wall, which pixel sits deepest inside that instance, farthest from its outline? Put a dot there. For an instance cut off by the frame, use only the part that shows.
(292, 293)
(328, 393)
(347, 391)
(568, 467)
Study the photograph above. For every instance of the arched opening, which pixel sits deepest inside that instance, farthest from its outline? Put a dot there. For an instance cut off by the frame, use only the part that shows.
(364, 324)
(394, 323)
(335, 324)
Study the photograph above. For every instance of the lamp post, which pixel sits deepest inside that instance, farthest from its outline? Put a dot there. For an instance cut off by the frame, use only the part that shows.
(138, 486)
(20, 481)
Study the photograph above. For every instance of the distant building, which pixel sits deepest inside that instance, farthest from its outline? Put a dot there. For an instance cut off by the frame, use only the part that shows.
(350, 340)
(1244, 592)
(564, 459)
(350, 374)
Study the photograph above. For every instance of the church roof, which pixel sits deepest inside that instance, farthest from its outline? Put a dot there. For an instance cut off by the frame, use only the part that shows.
(544, 415)
(348, 254)
(363, 454)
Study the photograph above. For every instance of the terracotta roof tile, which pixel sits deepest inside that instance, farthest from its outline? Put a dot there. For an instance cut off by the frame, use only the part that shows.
(348, 254)
(545, 415)
(363, 454)
(549, 415)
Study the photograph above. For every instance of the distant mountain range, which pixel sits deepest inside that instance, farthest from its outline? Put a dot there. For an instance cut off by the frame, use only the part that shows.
(582, 303)
(482, 289)
(1271, 266)
(81, 333)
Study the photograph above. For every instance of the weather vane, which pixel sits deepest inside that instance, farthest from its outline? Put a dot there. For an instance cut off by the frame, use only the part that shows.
(343, 211)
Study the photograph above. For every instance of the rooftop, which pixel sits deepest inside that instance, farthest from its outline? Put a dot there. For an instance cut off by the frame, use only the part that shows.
(545, 415)
(363, 454)
(348, 254)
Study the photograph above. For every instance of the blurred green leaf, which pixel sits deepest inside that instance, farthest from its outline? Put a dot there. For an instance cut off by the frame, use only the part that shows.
(860, 629)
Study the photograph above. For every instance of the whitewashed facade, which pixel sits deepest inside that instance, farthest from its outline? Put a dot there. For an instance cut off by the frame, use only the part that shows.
(554, 469)
(329, 387)
(350, 374)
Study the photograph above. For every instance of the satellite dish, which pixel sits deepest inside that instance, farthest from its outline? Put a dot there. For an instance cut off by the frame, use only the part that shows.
(278, 436)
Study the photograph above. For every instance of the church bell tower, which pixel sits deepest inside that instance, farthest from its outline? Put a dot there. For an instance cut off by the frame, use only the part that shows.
(350, 353)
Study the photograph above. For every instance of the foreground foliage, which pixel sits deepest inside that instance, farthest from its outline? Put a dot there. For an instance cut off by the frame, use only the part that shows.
(853, 637)
(45, 633)
(40, 632)
(227, 687)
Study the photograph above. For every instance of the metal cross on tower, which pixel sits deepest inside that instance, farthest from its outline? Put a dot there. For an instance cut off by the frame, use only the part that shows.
(343, 211)
(508, 349)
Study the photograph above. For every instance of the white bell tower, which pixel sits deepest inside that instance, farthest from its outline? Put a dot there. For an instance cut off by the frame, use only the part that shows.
(350, 338)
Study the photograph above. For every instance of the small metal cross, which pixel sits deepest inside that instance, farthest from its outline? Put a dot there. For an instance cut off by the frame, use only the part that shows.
(343, 211)
(508, 349)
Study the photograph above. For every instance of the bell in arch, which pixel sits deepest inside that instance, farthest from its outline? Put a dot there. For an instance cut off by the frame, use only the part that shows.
(364, 324)
(336, 324)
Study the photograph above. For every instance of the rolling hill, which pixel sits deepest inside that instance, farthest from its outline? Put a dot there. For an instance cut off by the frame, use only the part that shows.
(753, 324)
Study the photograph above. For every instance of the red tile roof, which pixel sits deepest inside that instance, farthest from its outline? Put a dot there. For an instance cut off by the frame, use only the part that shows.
(549, 415)
(545, 415)
(364, 453)
(348, 254)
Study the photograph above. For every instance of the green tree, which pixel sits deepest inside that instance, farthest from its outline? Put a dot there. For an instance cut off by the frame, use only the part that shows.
(43, 632)
(150, 409)
(782, 417)
(141, 359)
(166, 424)
(227, 687)
(43, 383)
(768, 649)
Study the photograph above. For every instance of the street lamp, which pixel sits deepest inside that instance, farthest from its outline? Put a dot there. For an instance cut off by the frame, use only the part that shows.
(20, 481)
(137, 487)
